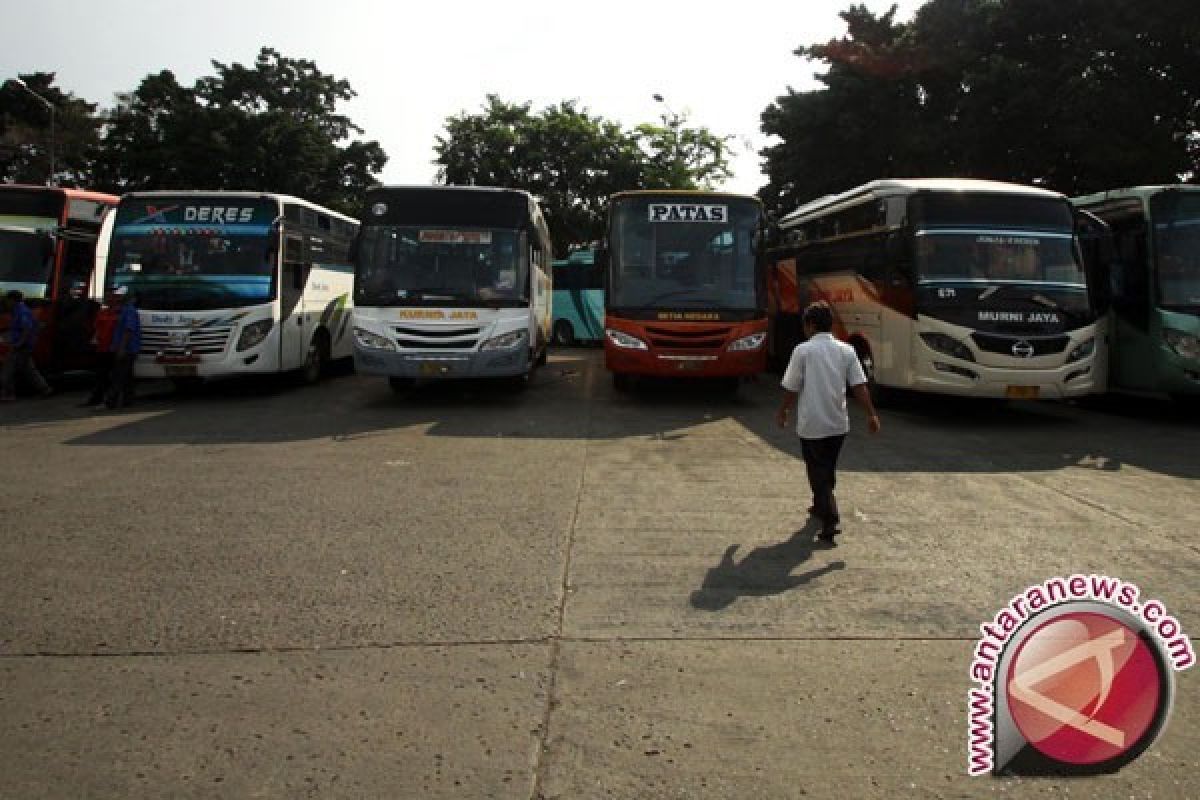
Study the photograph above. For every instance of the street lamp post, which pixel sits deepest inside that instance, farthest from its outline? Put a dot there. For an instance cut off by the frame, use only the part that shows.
(49, 106)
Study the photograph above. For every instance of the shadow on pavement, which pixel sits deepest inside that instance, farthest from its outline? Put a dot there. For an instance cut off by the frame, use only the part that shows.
(764, 571)
(572, 398)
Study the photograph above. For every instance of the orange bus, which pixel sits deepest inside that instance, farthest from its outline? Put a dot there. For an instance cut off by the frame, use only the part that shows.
(48, 239)
(686, 294)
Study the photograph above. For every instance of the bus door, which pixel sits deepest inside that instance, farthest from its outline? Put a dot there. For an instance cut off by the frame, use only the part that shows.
(292, 339)
(1098, 253)
(1132, 352)
(74, 311)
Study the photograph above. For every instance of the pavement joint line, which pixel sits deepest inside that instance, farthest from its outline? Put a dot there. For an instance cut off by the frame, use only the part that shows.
(542, 742)
(1080, 500)
(553, 641)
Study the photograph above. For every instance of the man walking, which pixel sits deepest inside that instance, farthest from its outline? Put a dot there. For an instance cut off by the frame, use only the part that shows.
(815, 385)
(22, 335)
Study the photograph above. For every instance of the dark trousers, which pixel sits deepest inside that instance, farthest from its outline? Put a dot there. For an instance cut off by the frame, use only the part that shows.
(120, 385)
(19, 364)
(104, 368)
(820, 458)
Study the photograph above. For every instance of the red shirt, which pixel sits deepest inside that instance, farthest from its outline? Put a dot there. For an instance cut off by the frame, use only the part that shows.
(106, 322)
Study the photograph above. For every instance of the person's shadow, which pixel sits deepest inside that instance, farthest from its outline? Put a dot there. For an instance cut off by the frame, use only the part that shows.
(764, 571)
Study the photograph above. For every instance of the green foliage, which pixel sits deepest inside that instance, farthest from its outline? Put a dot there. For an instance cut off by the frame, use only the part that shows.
(1074, 95)
(573, 161)
(272, 127)
(25, 133)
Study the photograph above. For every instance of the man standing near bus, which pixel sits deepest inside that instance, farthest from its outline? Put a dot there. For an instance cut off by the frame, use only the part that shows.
(815, 385)
(22, 335)
(126, 342)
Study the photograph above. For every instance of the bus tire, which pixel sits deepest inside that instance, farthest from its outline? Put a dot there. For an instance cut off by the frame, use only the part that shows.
(564, 333)
(316, 360)
(880, 395)
(517, 383)
(401, 385)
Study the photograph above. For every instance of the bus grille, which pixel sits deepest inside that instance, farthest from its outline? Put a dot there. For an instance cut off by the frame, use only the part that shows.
(209, 341)
(698, 339)
(1042, 345)
(436, 338)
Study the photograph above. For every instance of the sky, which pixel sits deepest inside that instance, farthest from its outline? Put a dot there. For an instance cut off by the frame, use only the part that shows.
(720, 62)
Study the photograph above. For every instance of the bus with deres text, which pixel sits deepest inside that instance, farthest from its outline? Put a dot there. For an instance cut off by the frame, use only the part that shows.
(452, 282)
(685, 293)
(1155, 281)
(952, 286)
(48, 241)
(578, 298)
(233, 283)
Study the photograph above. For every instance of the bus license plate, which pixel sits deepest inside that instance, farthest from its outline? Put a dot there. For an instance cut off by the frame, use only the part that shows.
(690, 365)
(434, 368)
(1022, 392)
(180, 370)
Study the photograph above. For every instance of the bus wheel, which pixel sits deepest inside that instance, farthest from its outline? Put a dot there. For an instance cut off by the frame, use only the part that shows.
(564, 334)
(401, 385)
(879, 394)
(517, 383)
(187, 385)
(316, 360)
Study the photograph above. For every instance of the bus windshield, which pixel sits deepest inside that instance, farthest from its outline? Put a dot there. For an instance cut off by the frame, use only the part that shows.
(672, 253)
(1177, 243)
(26, 261)
(995, 239)
(194, 271)
(413, 265)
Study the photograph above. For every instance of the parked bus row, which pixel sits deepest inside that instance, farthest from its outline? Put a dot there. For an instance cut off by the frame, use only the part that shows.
(942, 285)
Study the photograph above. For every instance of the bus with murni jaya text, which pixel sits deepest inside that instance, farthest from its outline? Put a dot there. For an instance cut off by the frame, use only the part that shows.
(452, 282)
(685, 294)
(951, 286)
(233, 283)
(48, 240)
(1155, 282)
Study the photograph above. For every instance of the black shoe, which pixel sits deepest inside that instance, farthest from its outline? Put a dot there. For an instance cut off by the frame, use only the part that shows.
(827, 534)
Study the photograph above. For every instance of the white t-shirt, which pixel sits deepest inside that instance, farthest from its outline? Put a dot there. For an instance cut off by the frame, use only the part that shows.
(820, 371)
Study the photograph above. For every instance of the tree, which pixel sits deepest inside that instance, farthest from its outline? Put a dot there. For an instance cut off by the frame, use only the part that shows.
(25, 132)
(1073, 95)
(271, 127)
(572, 161)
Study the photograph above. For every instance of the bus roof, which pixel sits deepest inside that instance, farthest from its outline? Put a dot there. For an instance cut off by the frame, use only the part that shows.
(66, 191)
(283, 198)
(903, 186)
(487, 206)
(698, 193)
(1142, 191)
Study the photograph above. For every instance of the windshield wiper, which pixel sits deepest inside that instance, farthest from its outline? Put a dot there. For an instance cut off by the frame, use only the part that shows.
(660, 297)
(434, 293)
(1042, 300)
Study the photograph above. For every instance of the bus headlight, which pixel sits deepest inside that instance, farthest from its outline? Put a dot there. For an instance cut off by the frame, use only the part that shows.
(624, 340)
(372, 341)
(254, 333)
(504, 341)
(1081, 351)
(1184, 344)
(751, 342)
(947, 345)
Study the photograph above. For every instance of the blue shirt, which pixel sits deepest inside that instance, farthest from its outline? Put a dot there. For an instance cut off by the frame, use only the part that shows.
(127, 323)
(22, 322)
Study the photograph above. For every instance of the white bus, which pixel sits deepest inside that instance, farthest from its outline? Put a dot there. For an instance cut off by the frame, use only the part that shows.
(451, 282)
(960, 287)
(233, 283)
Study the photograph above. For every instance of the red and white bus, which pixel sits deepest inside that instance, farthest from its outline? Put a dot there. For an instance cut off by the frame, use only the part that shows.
(48, 241)
(686, 296)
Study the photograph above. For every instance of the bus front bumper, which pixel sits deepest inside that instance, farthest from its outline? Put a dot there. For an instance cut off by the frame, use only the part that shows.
(950, 376)
(440, 364)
